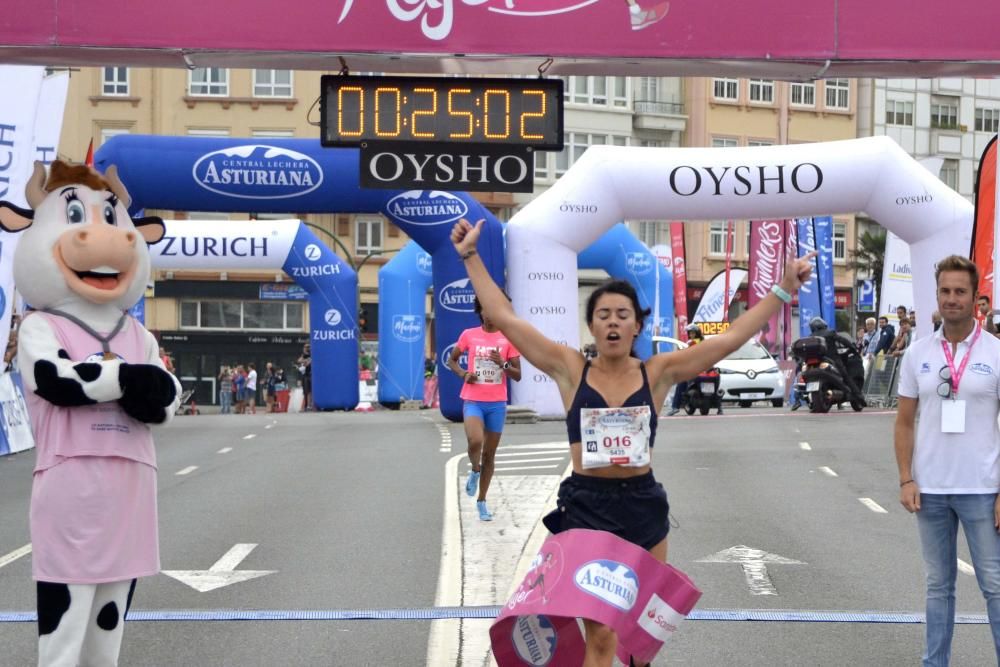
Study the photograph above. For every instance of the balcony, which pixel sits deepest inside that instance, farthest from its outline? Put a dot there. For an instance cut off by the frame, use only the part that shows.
(658, 116)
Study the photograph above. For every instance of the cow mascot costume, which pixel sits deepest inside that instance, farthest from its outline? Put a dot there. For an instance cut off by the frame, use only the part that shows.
(95, 383)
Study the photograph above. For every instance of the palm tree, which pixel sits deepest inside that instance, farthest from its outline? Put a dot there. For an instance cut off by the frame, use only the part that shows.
(869, 256)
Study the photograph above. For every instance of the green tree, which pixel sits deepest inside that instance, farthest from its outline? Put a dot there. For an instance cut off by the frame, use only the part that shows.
(869, 257)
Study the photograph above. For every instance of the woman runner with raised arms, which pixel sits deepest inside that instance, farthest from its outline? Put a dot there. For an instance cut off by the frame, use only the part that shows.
(614, 489)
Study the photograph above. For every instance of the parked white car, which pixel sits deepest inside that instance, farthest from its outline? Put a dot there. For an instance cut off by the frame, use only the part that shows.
(751, 374)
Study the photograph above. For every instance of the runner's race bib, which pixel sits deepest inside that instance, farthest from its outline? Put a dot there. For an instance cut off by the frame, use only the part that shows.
(486, 369)
(615, 436)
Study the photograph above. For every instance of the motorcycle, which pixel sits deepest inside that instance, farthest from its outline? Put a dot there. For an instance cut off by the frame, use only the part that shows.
(703, 393)
(823, 377)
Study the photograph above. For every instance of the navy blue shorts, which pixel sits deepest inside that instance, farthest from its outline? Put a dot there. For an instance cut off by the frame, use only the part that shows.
(634, 508)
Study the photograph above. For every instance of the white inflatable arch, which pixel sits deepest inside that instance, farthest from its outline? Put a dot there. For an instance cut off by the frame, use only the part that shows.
(609, 184)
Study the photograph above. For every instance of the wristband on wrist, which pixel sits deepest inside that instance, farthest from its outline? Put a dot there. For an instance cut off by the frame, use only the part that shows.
(466, 255)
(779, 292)
(909, 481)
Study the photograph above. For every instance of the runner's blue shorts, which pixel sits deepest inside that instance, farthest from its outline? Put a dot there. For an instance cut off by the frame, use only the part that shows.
(493, 413)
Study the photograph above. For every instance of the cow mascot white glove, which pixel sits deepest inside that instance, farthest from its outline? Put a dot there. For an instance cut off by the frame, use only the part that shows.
(95, 383)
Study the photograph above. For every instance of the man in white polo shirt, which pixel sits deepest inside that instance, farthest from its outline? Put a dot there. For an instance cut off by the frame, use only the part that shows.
(950, 472)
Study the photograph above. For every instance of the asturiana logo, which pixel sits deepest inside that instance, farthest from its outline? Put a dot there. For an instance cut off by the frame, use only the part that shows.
(255, 171)
(427, 207)
(463, 359)
(458, 297)
(407, 328)
(615, 419)
(608, 580)
(535, 639)
(638, 263)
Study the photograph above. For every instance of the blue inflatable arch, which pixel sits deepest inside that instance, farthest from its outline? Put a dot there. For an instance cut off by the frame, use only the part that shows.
(282, 175)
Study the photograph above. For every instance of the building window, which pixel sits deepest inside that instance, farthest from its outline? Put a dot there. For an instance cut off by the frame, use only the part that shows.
(949, 173)
(259, 315)
(619, 91)
(804, 94)
(762, 91)
(838, 94)
(759, 142)
(839, 241)
(597, 90)
(717, 238)
(108, 132)
(210, 81)
(114, 81)
(272, 83)
(898, 112)
(944, 113)
(988, 120)
(726, 89)
(724, 142)
(654, 233)
(541, 164)
(208, 132)
(367, 235)
(273, 134)
(575, 145)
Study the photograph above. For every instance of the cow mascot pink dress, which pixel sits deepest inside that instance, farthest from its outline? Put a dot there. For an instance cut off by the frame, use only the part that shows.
(95, 383)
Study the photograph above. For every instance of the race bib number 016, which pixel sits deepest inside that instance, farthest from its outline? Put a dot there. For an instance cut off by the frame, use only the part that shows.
(615, 436)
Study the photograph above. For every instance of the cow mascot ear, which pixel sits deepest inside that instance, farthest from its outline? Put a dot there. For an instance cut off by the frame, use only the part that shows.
(95, 383)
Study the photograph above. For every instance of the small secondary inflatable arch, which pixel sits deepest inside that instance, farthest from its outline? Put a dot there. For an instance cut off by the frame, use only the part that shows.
(611, 183)
(287, 245)
(256, 175)
(402, 295)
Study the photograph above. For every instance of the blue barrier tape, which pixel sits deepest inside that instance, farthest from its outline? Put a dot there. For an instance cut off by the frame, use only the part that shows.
(439, 613)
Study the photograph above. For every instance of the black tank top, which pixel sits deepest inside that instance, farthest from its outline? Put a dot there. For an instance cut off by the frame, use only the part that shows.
(587, 397)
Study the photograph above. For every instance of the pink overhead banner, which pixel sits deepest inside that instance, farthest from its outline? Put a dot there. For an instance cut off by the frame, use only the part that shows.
(784, 36)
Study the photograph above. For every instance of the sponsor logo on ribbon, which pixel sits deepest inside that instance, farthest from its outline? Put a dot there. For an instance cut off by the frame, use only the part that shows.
(534, 639)
(610, 581)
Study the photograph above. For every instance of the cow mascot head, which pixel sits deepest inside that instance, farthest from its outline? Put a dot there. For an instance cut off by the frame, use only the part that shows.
(95, 383)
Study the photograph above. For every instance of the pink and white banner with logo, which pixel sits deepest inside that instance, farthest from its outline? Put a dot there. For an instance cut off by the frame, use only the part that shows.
(680, 278)
(791, 250)
(593, 575)
(767, 250)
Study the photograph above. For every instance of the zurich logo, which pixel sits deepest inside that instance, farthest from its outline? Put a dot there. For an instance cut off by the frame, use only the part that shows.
(332, 317)
(427, 207)
(608, 580)
(407, 328)
(313, 252)
(463, 358)
(535, 639)
(639, 263)
(255, 171)
(424, 263)
(458, 297)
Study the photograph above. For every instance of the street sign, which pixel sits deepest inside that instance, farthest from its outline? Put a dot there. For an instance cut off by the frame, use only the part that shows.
(866, 296)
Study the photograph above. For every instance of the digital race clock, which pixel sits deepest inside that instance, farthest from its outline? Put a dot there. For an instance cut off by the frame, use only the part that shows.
(524, 112)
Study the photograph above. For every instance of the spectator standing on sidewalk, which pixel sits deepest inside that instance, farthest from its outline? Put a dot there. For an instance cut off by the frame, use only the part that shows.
(225, 390)
(251, 389)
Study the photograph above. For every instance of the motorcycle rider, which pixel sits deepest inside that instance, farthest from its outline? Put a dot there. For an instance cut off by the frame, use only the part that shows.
(849, 362)
(695, 336)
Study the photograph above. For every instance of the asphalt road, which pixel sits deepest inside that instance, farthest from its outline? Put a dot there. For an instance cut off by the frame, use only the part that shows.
(367, 511)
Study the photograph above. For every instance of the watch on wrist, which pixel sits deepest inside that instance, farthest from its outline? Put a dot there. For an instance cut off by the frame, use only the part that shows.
(507, 365)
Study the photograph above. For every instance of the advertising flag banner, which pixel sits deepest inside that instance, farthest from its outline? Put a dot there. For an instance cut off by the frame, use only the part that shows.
(809, 293)
(680, 278)
(712, 307)
(897, 278)
(791, 250)
(767, 249)
(823, 227)
(984, 224)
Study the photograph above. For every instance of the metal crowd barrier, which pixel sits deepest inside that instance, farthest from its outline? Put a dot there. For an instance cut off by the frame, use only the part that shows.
(881, 380)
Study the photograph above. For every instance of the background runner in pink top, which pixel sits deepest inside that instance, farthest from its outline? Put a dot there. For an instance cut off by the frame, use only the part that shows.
(492, 383)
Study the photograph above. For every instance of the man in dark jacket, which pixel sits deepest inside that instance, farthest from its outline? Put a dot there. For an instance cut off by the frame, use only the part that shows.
(886, 334)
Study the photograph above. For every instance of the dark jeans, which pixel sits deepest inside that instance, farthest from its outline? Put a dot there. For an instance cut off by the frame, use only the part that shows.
(679, 391)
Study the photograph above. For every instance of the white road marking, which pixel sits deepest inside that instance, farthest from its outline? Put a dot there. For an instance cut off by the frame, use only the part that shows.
(187, 470)
(14, 555)
(827, 471)
(562, 451)
(443, 643)
(268, 426)
(542, 460)
(963, 567)
(873, 506)
(805, 446)
(754, 564)
(250, 437)
(223, 573)
(225, 450)
(549, 467)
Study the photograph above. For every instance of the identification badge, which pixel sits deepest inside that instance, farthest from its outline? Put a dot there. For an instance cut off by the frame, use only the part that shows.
(953, 416)
(615, 436)
(488, 371)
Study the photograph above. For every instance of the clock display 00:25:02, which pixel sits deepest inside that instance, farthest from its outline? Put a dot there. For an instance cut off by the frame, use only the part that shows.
(470, 110)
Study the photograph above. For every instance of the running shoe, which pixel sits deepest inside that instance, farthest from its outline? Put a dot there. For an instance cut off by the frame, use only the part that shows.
(472, 484)
(484, 514)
